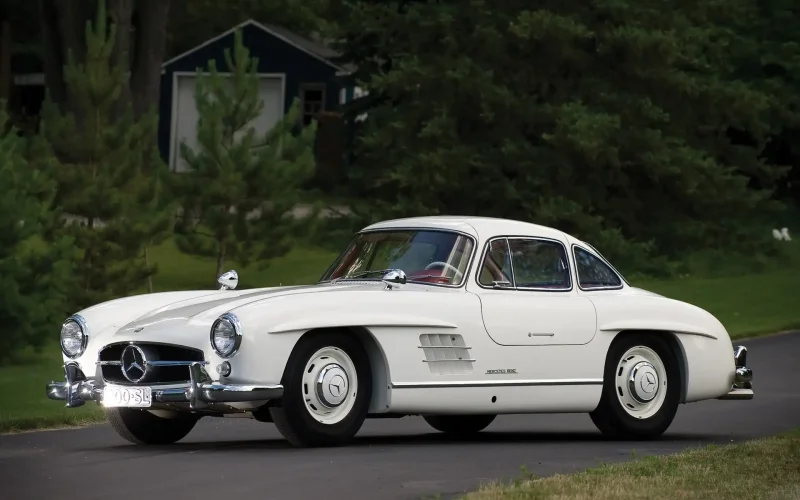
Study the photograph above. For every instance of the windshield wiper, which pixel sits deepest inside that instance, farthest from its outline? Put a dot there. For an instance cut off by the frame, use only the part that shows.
(361, 274)
(428, 276)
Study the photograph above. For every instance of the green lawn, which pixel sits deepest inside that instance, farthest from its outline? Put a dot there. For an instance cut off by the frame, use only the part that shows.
(760, 469)
(180, 272)
(746, 304)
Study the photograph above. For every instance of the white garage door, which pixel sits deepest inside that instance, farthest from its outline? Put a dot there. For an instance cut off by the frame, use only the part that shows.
(185, 114)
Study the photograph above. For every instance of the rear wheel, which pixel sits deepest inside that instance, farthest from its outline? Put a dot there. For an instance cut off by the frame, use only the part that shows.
(327, 390)
(459, 424)
(142, 427)
(641, 388)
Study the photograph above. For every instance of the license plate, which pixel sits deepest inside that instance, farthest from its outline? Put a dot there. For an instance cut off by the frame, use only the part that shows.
(127, 397)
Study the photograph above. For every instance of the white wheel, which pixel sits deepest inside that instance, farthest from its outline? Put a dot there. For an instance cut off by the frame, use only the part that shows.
(327, 385)
(330, 385)
(641, 387)
(641, 381)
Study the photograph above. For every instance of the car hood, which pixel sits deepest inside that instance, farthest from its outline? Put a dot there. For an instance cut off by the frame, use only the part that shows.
(197, 313)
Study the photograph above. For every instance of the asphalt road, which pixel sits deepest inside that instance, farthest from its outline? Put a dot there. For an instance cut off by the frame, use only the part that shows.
(391, 458)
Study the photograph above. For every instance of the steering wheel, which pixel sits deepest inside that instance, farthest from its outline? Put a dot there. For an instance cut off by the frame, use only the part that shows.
(445, 265)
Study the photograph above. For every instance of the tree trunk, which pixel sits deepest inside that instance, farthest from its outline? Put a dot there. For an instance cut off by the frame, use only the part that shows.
(51, 51)
(5, 61)
(150, 277)
(121, 12)
(220, 259)
(149, 49)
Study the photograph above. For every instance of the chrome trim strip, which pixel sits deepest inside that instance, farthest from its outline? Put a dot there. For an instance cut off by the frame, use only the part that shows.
(514, 286)
(445, 360)
(443, 347)
(495, 383)
(200, 391)
(156, 363)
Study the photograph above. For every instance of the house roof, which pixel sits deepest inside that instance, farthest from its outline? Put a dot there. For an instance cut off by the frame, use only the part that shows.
(316, 50)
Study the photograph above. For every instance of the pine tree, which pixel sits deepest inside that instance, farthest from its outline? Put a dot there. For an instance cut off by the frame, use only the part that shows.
(240, 187)
(611, 121)
(107, 171)
(33, 298)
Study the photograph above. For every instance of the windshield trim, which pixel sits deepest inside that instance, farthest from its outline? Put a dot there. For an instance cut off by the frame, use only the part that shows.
(467, 271)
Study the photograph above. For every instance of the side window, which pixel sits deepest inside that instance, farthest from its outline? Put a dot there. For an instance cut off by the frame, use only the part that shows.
(496, 265)
(540, 264)
(593, 272)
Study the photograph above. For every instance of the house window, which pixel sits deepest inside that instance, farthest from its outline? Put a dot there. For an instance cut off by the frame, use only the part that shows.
(313, 101)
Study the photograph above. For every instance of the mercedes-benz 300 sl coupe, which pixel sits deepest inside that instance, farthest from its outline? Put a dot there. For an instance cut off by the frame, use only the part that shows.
(456, 319)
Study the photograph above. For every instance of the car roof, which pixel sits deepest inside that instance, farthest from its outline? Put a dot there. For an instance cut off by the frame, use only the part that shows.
(479, 227)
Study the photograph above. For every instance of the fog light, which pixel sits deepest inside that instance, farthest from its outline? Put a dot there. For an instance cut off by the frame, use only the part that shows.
(224, 369)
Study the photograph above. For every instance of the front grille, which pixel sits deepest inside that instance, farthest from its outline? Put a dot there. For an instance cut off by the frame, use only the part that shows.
(110, 359)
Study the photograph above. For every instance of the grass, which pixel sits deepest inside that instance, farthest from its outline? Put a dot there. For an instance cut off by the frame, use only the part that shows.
(177, 271)
(746, 304)
(25, 405)
(766, 468)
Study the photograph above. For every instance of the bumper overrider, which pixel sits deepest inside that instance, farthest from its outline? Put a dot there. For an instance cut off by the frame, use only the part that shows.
(201, 391)
(743, 379)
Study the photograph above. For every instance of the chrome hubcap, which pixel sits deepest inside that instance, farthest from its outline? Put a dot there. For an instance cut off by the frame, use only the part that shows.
(330, 385)
(641, 382)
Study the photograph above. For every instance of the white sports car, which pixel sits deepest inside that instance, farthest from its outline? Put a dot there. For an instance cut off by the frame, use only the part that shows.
(457, 319)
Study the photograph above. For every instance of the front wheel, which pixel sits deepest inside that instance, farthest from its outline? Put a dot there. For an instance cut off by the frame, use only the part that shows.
(326, 393)
(459, 424)
(641, 388)
(142, 427)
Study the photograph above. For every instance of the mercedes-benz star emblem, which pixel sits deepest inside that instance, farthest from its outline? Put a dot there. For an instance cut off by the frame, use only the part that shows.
(335, 387)
(648, 382)
(134, 363)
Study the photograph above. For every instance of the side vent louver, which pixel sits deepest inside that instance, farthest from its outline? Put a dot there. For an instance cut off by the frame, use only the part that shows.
(446, 354)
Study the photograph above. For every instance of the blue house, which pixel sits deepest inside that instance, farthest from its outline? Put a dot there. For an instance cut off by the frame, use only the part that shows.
(290, 66)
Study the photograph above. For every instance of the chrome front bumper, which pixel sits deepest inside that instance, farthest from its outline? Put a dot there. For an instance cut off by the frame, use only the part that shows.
(200, 392)
(743, 379)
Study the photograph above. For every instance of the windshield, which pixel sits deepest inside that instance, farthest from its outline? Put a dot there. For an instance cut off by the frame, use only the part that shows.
(426, 256)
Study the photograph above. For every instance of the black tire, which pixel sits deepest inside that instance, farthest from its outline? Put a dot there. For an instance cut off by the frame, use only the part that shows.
(295, 421)
(459, 424)
(142, 427)
(610, 417)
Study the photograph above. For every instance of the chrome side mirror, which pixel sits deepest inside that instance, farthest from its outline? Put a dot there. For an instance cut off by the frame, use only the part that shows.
(229, 280)
(394, 277)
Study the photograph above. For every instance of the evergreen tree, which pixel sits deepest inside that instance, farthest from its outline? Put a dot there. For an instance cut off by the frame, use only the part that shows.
(107, 171)
(609, 120)
(240, 188)
(33, 298)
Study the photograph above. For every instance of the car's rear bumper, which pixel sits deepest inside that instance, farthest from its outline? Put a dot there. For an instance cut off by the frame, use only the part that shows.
(76, 389)
(743, 379)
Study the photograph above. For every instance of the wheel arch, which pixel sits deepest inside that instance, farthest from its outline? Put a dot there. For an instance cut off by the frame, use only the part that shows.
(677, 350)
(379, 366)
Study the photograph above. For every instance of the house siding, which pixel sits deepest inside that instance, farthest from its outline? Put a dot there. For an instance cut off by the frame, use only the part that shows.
(274, 56)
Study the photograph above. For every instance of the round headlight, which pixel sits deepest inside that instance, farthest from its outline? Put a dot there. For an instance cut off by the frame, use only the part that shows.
(74, 337)
(226, 335)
